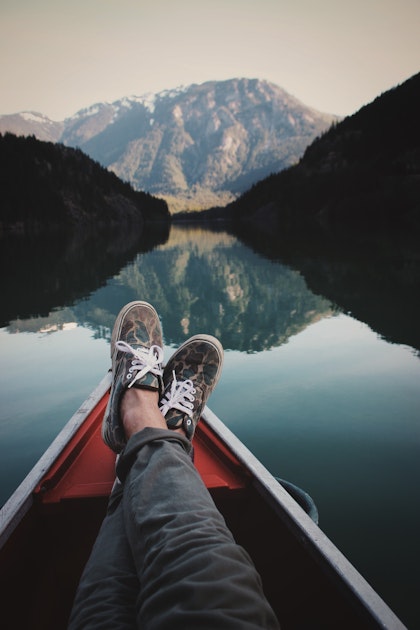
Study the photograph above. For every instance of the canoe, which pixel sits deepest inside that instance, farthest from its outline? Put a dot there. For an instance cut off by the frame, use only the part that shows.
(48, 526)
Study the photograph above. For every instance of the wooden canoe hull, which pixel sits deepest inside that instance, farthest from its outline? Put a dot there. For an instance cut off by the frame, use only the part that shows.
(48, 527)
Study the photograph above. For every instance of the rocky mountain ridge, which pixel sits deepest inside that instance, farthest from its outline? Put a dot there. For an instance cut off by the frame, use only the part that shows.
(217, 138)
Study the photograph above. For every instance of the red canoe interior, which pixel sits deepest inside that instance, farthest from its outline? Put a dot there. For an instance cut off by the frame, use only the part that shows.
(86, 467)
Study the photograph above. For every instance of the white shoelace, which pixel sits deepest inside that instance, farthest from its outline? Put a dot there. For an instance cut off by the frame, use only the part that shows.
(180, 396)
(145, 360)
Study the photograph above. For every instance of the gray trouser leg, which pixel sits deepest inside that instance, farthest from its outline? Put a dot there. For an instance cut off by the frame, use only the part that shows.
(165, 553)
(109, 588)
(191, 572)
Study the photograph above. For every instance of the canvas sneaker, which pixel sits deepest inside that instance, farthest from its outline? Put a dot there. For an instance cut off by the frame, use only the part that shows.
(137, 357)
(188, 379)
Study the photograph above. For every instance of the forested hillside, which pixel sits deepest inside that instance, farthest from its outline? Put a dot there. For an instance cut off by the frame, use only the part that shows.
(363, 174)
(46, 184)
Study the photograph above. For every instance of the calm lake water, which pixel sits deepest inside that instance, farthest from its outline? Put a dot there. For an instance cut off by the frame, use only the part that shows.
(321, 376)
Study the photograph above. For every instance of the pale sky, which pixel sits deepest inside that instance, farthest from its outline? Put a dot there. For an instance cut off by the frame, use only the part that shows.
(58, 56)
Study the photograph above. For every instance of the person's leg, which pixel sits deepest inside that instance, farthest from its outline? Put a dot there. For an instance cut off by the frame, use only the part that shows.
(192, 573)
(108, 589)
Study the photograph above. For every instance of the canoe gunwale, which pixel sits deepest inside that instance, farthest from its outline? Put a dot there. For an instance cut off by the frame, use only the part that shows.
(22, 499)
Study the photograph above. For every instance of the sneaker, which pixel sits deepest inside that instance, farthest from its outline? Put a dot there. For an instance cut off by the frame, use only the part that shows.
(137, 356)
(188, 379)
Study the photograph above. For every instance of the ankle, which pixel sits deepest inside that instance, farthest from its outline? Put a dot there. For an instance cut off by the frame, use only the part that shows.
(139, 409)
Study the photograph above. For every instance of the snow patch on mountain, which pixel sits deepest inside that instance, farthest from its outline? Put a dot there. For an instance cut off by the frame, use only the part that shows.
(35, 117)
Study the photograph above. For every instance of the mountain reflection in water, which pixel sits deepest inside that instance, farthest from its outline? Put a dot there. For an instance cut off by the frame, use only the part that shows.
(199, 281)
(253, 298)
(374, 278)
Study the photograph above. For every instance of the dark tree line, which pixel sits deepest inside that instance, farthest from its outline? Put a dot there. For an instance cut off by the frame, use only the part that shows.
(43, 183)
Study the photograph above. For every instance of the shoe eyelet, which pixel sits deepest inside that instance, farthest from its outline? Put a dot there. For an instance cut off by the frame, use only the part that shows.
(129, 375)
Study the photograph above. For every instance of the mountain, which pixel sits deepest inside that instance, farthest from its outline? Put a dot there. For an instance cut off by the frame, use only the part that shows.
(362, 174)
(45, 184)
(207, 142)
(32, 123)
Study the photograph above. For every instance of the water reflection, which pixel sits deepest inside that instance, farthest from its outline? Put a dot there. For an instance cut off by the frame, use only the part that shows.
(376, 280)
(252, 297)
(209, 282)
(41, 272)
(199, 281)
